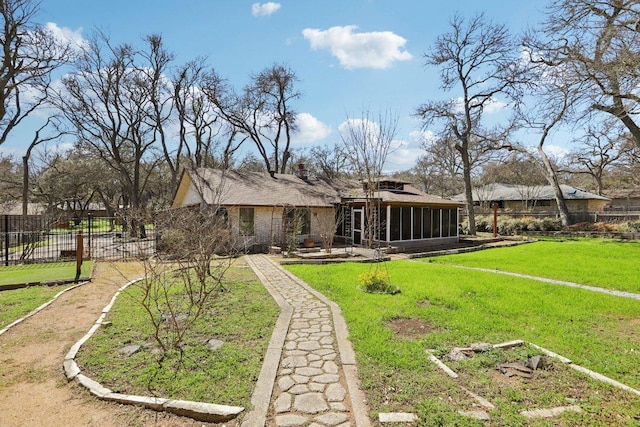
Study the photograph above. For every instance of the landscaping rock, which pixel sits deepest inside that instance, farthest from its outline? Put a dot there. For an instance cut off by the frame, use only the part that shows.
(130, 350)
(515, 369)
(536, 362)
(397, 417)
(214, 344)
(481, 347)
(456, 354)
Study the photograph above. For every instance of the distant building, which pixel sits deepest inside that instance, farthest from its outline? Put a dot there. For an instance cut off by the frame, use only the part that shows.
(538, 200)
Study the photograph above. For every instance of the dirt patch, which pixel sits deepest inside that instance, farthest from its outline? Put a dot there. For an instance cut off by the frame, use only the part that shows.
(33, 388)
(410, 328)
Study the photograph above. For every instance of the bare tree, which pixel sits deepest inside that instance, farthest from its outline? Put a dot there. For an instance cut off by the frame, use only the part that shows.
(264, 112)
(202, 129)
(516, 169)
(480, 59)
(328, 161)
(30, 54)
(553, 106)
(597, 44)
(182, 281)
(603, 145)
(367, 142)
(110, 103)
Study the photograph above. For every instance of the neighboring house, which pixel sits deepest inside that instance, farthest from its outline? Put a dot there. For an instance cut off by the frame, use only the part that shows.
(15, 208)
(540, 199)
(264, 209)
(624, 200)
(13, 225)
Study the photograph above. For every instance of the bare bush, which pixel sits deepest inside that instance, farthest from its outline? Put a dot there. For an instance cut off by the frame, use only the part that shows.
(196, 249)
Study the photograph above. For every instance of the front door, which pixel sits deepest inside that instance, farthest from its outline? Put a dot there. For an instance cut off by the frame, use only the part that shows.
(357, 221)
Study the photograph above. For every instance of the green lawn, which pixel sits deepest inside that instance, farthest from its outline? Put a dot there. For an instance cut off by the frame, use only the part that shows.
(16, 303)
(242, 317)
(49, 272)
(459, 307)
(596, 262)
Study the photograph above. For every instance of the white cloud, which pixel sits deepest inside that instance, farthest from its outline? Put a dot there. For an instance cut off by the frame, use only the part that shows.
(359, 50)
(310, 129)
(66, 35)
(493, 105)
(422, 136)
(404, 154)
(264, 9)
(556, 151)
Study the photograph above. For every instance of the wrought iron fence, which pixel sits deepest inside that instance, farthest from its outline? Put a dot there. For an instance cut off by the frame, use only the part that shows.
(38, 239)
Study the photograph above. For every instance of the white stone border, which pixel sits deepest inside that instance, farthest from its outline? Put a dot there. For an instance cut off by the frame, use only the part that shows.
(566, 361)
(201, 411)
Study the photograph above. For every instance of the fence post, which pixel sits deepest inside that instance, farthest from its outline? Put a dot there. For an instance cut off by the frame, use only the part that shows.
(6, 240)
(495, 220)
(79, 251)
(90, 226)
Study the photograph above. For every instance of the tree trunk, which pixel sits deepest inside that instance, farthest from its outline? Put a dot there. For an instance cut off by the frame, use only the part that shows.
(25, 187)
(553, 181)
(468, 192)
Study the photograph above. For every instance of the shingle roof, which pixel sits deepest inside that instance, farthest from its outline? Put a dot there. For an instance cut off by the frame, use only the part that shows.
(233, 188)
(623, 194)
(496, 192)
(409, 195)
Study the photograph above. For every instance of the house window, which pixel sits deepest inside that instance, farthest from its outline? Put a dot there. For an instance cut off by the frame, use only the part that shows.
(417, 223)
(453, 222)
(426, 223)
(394, 225)
(436, 223)
(406, 223)
(298, 221)
(445, 222)
(246, 226)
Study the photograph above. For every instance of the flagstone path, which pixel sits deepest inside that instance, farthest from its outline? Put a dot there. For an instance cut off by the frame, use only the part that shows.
(314, 375)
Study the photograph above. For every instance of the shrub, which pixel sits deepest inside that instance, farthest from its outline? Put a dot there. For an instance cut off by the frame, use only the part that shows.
(377, 282)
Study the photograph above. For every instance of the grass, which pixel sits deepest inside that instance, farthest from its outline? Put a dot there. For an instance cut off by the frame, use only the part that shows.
(16, 303)
(49, 272)
(460, 307)
(597, 262)
(242, 317)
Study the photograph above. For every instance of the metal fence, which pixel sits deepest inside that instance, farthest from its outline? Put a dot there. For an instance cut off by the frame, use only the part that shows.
(39, 239)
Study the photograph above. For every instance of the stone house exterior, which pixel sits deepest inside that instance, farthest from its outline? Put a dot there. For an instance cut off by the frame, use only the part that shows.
(267, 210)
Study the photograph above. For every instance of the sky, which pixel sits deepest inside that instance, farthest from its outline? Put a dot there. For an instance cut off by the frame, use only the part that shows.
(350, 56)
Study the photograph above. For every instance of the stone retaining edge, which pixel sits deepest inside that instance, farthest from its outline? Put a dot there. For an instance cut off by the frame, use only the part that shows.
(201, 411)
(261, 397)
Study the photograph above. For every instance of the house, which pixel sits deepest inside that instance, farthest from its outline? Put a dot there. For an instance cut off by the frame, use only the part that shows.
(624, 200)
(266, 209)
(538, 200)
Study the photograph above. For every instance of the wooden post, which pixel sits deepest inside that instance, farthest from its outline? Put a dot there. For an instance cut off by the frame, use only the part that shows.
(79, 251)
(495, 219)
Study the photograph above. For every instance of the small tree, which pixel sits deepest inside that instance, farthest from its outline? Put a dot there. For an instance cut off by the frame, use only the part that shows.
(367, 143)
(196, 250)
(327, 225)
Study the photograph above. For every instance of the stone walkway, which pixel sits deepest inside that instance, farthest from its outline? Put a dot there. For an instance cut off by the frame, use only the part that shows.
(313, 380)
